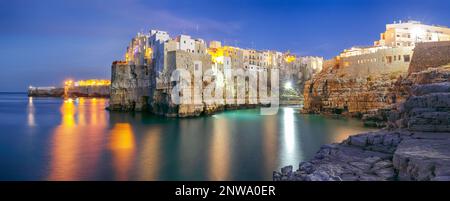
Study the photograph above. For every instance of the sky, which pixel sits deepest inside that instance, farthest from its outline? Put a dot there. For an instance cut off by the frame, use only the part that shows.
(44, 42)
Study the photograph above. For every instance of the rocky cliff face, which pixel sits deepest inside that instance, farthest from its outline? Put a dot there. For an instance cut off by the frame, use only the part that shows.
(327, 93)
(129, 87)
(417, 149)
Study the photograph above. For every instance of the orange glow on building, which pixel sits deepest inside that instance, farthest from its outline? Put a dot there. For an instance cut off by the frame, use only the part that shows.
(148, 53)
(68, 83)
(217, 54)
(289, 58)
(93, 82)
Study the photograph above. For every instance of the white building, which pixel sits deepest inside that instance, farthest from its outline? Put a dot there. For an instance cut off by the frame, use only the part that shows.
(406, 34)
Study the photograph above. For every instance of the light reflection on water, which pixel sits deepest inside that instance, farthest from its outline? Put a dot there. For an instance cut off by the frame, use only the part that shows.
(122, 145)
(80, 140)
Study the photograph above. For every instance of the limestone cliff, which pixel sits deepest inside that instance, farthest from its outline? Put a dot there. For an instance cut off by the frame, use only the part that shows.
(129, 87)
(327, 93)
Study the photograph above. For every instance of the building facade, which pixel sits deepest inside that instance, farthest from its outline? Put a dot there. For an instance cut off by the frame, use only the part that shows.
(392, 53)
(143, 79)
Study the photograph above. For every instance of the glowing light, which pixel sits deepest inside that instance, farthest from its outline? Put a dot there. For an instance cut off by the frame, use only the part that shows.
(289, 58)
(218, 54)
(288, 85)
(69, 100)
(68, 83)
(148, 53)
(93, 82)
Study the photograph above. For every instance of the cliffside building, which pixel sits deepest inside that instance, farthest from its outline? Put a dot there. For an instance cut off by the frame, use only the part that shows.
(360, 80)
(143, 80)
(392, 53)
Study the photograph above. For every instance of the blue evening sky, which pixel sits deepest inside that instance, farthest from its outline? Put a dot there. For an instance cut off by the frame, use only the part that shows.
(43, 42)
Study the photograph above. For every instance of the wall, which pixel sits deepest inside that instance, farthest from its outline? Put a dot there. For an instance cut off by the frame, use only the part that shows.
(89, 91)
(376, 63)
(432, 54)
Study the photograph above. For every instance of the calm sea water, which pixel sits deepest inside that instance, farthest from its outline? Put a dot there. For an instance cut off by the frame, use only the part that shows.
(52, 139)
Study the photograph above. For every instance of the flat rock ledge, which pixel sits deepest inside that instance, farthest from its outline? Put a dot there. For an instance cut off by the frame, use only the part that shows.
(385, 155)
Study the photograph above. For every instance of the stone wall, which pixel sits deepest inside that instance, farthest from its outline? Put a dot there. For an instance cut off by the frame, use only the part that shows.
(89, 91)
(375, 63)
(46, 92)
(430, 55)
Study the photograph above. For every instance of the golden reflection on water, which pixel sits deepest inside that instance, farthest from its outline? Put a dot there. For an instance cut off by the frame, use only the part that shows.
(64, 150)
(270, 144)
(72, 156)
(219, 156)
(122, 145)
(150, 155)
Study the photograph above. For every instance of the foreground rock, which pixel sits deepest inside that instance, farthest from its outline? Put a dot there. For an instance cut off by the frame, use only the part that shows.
(377, 156)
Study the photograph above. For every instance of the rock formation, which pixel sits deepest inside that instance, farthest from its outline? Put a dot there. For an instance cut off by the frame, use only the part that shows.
(129, 87)
(417, 149)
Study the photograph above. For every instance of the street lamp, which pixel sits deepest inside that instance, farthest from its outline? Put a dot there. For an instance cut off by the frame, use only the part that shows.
(288, 85)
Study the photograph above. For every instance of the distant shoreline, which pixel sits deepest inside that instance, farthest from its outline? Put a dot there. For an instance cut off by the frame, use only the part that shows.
(12, 92)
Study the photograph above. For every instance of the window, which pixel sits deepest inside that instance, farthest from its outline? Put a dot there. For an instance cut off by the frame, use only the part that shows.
(389, 59)
(406, 58)
(395, 58)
